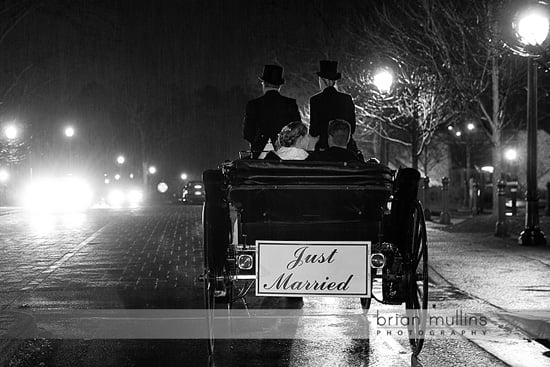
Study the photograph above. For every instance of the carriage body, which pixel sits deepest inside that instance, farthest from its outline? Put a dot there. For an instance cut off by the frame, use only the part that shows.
(264, 212)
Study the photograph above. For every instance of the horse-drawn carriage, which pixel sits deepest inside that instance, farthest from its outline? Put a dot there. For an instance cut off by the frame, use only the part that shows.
(301, 228)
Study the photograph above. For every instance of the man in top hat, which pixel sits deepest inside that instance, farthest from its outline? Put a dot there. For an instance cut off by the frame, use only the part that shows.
(328, 105)
(267, 115)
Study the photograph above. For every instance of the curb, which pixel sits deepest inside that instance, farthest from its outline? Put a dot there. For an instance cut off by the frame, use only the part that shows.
(535, 328)
(538, 329)
(19, 326)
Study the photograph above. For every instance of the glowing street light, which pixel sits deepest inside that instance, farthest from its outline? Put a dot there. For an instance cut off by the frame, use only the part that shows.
(117, 177)
(511, 154)
(162, 187)
(69, 131)
(183, 176)
(120, 159)
(11, 132)
(383, 80)
(532, 28)
(470, 126)
(4, 175)
(152, 170)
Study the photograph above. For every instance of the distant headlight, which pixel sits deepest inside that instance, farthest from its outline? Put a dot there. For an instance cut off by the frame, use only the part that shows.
(64, 194)
(135, 197)
(116, 198)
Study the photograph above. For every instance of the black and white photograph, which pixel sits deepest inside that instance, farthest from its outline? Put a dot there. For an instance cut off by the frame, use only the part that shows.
(279, 183)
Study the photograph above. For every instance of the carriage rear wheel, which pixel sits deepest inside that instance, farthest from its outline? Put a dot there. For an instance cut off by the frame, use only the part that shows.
(417, 288)
(209, 278)
(210, 306)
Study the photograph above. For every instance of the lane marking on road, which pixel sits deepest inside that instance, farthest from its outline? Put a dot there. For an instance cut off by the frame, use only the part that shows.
(33, 284)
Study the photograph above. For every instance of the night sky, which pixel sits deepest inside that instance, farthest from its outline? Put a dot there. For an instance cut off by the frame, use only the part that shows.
(183, 69)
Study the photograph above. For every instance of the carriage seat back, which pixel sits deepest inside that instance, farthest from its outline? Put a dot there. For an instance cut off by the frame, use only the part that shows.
(304, 191)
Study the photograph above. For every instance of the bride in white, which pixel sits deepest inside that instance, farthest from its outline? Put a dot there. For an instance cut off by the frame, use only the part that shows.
(292, 143)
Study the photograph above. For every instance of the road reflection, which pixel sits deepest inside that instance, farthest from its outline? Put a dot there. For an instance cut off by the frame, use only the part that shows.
(326, 336)
(48, 223)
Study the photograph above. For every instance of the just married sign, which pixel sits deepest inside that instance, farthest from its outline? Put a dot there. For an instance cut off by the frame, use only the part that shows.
(313, 268)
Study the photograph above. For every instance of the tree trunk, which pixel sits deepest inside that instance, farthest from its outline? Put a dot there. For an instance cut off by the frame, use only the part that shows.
(425, 162)
(497, 131)
(414, 142)
(497, 164)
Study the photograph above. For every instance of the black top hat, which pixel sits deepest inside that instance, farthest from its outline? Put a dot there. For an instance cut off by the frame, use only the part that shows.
(329, 70)
(273, 74)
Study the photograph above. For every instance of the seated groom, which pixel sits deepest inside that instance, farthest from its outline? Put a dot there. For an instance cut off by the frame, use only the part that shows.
(339, 134)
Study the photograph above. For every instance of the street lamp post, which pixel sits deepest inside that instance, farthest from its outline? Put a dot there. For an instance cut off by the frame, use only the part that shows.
(383, 80)
(69, 133)
(466, 140)
(511, 155)
(532, 235)
(532, 30)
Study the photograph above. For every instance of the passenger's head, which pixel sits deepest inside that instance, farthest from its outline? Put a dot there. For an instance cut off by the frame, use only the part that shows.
(293, 135)
(339, 132)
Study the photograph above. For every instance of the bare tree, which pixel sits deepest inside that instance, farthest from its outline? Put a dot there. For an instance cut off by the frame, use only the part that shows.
(459, 43)
(411, 115)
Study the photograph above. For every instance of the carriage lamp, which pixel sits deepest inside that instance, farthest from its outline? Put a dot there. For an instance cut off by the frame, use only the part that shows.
(245, 262)
(377, 260)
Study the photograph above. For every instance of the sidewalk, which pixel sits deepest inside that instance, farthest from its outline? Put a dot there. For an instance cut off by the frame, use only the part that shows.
(511, 278)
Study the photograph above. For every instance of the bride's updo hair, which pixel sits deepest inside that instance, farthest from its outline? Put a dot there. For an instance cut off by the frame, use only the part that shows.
(291, 133)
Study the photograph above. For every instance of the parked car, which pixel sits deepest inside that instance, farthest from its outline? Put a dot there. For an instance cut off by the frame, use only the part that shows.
(193, 193)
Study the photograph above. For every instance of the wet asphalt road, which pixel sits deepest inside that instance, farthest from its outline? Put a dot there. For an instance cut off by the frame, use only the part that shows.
(149, 259)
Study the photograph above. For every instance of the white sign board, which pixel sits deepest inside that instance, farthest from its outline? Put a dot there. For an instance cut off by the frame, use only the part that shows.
(313, 268)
